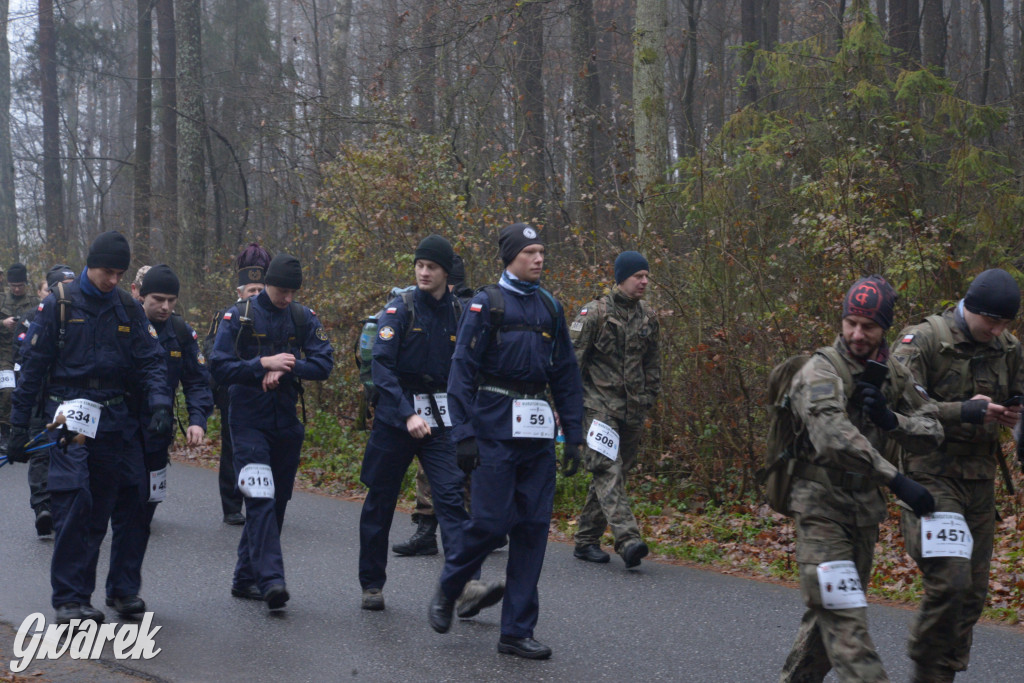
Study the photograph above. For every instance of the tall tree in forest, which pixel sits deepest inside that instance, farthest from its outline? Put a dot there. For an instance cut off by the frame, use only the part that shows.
(8, 211)
(53, 186)
(586, 101)
(650, 113)
(424, 78)
(143, 131)
(688, 70)
(191, 122)
(903, 25)
(933, 24)
(338, 87)
(750, 32)
(529, 107)
(165, 38)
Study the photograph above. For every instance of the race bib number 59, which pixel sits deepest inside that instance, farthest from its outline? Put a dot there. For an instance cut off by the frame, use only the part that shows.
(532, 419)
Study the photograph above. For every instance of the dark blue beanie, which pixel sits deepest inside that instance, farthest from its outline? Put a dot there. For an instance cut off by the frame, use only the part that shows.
(629, 262)
(994, 293)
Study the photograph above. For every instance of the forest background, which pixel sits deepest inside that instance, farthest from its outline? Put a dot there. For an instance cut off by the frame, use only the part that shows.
(762, 153)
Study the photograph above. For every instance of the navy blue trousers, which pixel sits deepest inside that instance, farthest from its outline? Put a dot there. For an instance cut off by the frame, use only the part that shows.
(260, 561)
(388, 454)
(85, 484)
(129, 534)
(513, 494)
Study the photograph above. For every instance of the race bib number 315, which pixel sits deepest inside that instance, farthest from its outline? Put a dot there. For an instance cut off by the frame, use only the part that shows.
(840, 585)
(256, 481)
(532, 419)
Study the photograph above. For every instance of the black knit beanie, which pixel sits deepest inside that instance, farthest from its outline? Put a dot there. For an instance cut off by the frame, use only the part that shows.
(437, 249)
(514, 238)
(110, 250)
(628, 263)
(993, 293)
(284, 271)
(17, 274)
(457, 275)
(873, 298)
(160, 279)
(59, 273)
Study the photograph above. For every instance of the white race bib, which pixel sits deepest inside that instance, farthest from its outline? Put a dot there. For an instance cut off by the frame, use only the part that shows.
(840, 585)
(82, 415)
(7, 380)
(421, 402)
(532, 419)
(945, 534)
(603, 439)
(158, 485)
(256, 481)
(17, 367)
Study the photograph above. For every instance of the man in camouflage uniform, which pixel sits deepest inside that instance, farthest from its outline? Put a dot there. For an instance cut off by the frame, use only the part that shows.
(970, 364)
(13, 308)
(616, 343)
(836, 500)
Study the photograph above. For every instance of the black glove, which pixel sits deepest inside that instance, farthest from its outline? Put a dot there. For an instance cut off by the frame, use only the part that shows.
(876, 406)
(570, 459)
(16, 444)
(913, 494)
(161, 423)
(973, 412)
(467, 455)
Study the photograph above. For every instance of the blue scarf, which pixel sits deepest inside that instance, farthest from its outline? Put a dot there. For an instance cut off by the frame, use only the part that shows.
(514, 284)
(89, 288)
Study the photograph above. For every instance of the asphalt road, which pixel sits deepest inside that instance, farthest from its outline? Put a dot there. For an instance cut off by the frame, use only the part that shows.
(662, 622)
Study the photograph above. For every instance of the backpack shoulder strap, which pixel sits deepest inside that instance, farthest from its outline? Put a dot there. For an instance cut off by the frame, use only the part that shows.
(409, 301)
(62, 315)
(837, 360)
(298, 312)
(496, 303)
(181, 330)
(941, 329)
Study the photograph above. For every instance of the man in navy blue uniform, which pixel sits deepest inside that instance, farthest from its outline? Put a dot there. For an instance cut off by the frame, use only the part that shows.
(86, 341)
(185, 364)
(263, 347)
(252, 266)
(411, 359)
(512, 345)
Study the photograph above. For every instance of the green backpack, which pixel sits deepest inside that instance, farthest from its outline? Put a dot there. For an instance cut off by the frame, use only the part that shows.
(785, 430)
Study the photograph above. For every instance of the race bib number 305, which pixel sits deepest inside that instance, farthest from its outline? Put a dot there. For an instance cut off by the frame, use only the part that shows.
(532, 419)
(421, 402)
(840, 585)
(603, 439)
(83, 416)
(945, 534)
(256, 481)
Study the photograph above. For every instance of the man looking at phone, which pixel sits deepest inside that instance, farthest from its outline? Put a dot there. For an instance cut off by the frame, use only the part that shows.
(849, 400)
(970, 365)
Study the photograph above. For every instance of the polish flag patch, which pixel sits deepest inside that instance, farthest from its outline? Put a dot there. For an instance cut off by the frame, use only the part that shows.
(194, 335)
(583, 312)
(40, 306)
(312, 311)
(227, 316)
(392, 309)
(476, 308)
(907, 338)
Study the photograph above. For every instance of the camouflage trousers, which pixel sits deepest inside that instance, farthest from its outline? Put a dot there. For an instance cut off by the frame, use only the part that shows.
(954, 588)
(424, 497)
(832, 638)
(607, 502)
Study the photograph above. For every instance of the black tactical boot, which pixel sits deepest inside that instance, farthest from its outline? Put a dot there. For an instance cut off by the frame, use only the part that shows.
(423, 540)
(5, 438)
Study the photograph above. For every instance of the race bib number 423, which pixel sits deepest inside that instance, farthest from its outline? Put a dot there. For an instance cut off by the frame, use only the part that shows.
(532, 419)
(82, 416)
(945, 534)
(840, 585)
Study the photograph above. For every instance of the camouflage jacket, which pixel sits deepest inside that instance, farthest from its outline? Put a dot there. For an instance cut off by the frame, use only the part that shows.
(17, 307)
(616, 343)
(842, 438)
(953, 367)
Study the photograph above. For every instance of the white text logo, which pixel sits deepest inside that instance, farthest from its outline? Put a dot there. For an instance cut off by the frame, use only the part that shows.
(81, 640)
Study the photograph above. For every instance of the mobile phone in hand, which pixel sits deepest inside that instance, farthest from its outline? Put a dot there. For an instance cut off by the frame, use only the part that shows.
(875, 373)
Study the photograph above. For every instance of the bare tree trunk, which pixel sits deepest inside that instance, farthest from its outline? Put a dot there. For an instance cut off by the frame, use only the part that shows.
(903, 28)
(750, 24)
(986, 7)
(424, 88)
(53, 187)
(143, 132)
(165, 36)
(689, 137)
(339, 88)
(883, 17)
(933, 52)
(191, 124)
(650, 113)
(529, 86)
(586, 103)
(8, 210)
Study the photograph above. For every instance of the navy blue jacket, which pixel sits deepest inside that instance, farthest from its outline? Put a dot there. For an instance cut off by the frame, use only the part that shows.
(519, 356)
(416, 360)
(273, 333)
(105, 342)
(188, 366)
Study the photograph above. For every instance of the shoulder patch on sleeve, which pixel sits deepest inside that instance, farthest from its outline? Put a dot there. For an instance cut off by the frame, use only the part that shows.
(921, 390)
(391, 309)
(312, 311)
(823, 390)
(321, 334)
(576, 326)
(227, 316)
(907, 338)
(152, 330)
(41, 306)
(583, 311)
(386, 333)
(194, 335)
(476, 308)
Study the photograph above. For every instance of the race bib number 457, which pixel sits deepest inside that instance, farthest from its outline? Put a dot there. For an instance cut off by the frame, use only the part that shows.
(945, 534)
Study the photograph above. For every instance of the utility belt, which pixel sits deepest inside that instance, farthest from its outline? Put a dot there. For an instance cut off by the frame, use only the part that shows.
(115, 401)
(418, 385)
(516, 389)
(960, 450)
(94, 383)
(850, 481)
